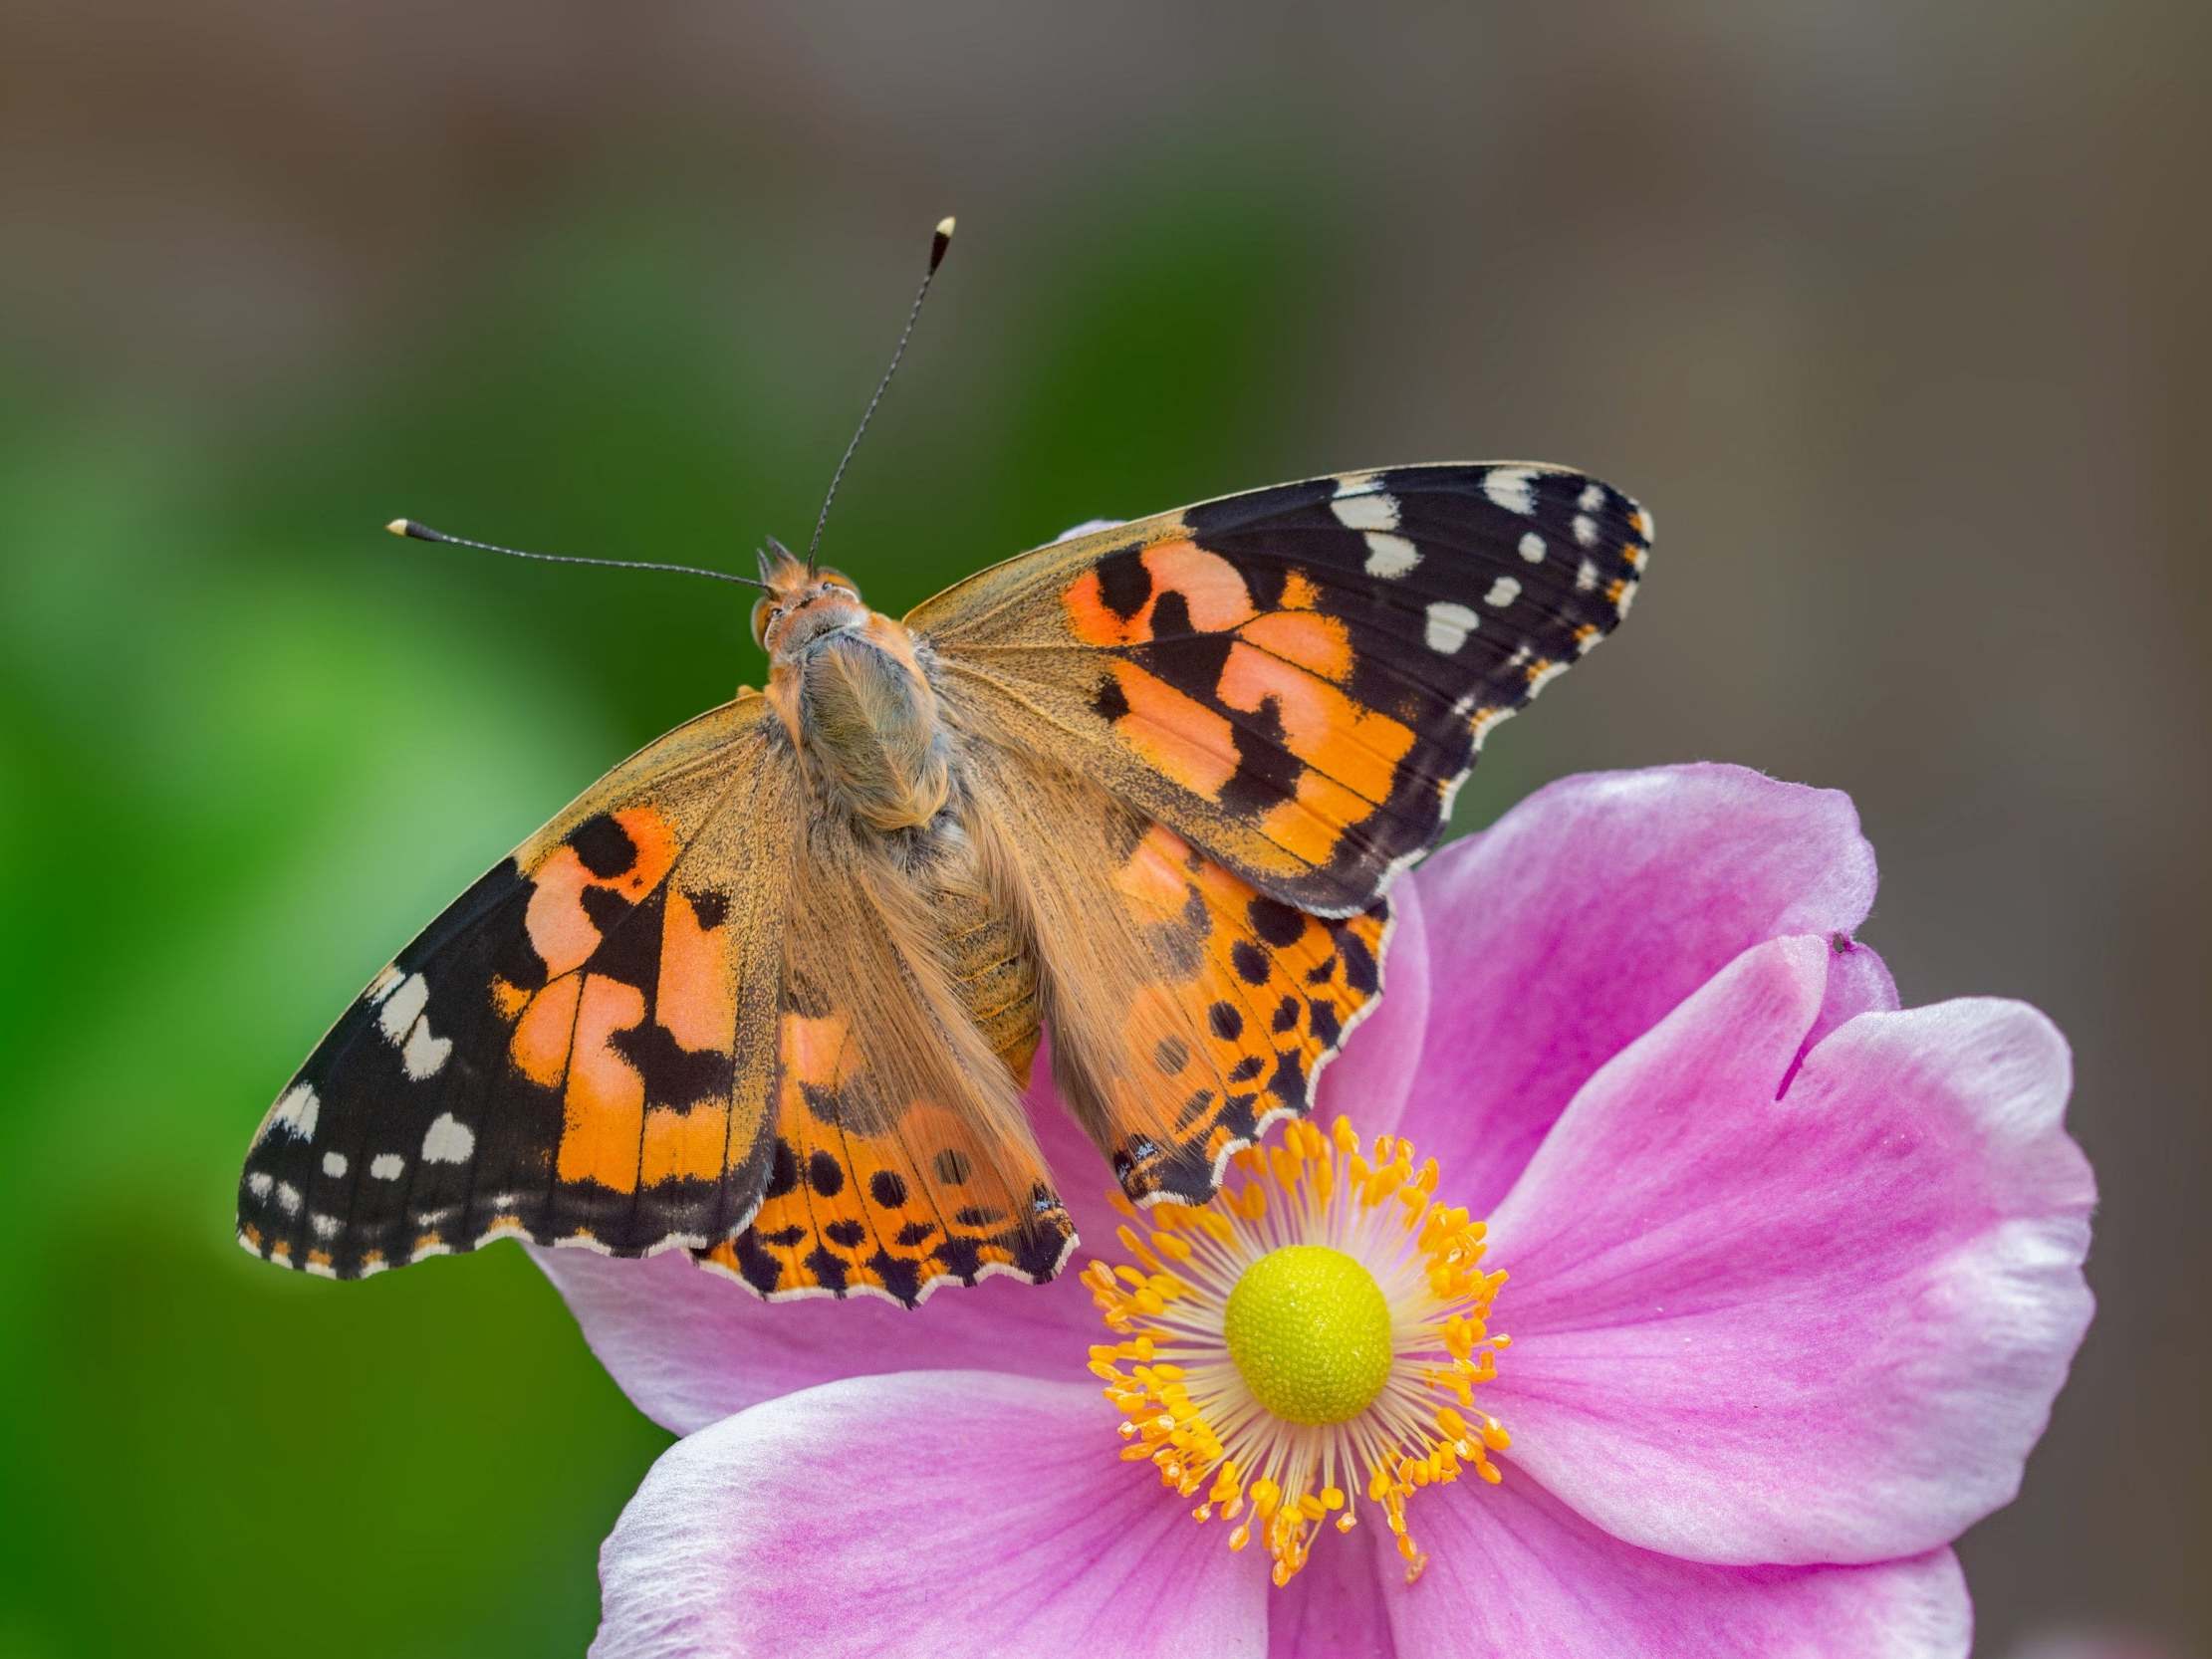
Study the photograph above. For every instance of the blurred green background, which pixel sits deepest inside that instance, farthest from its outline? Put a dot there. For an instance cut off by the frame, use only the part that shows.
(1892, 314)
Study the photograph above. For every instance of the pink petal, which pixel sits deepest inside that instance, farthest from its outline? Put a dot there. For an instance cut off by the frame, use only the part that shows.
(1569, 928)
(1859, 982)
(1372, 1079)
(927, 1515)
(1824, 1328)
(689, 1346)
(1333, 1609)
(1511, 1570)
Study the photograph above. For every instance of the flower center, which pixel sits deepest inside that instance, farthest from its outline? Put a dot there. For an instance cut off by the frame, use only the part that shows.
(1313, 1337)
(1309, 1331)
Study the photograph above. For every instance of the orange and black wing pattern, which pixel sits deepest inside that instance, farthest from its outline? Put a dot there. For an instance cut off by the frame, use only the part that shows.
(871, 1192)
(580, 1052)
(900, 1156)
(1296, 680)
(1188, 1009)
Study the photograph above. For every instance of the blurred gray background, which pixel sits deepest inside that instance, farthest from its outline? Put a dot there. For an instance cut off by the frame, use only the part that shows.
(1894, 315)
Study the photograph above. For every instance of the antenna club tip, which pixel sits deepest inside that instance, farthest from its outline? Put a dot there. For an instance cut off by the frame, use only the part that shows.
(940, 241)
(399, 527)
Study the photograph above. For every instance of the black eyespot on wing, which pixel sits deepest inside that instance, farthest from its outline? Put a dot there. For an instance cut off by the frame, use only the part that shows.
(1123, 581)
(603, 846)
(783, 1170)
(887, 1189)
(1275, 921)
(1110, 702)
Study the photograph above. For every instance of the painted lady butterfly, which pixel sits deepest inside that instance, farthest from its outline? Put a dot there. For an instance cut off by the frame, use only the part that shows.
(770, 990)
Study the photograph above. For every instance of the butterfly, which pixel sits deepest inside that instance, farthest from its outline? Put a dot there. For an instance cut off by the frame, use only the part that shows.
(770, 990)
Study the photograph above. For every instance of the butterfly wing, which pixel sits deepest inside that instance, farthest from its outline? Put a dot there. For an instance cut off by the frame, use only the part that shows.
(902, 1157)
(1212, 738)
(1297, 680)
(579, 1051)
(1188, 1009)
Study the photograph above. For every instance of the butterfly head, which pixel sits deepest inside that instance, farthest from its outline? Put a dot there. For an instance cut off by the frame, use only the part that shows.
(801, 604)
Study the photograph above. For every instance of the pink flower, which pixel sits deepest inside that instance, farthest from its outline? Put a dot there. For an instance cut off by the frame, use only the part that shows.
(1793, 1277)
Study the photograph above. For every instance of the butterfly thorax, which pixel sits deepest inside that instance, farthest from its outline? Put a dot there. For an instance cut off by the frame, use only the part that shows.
(862, 713)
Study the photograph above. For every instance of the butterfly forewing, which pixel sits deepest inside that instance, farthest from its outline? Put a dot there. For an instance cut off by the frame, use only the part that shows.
(578, 1051)
(1298, 679)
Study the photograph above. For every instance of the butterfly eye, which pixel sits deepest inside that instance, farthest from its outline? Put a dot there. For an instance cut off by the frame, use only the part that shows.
(765, 610)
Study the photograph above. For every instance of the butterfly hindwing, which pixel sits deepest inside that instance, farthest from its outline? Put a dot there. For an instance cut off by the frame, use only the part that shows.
(900, 1158)
(1188, 1010)
(579, 1051)
(1297, 680)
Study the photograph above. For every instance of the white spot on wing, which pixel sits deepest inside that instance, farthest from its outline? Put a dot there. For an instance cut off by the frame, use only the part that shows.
(1502, 592)
(1390, 556)
(400, 1006)
(386, 1167)
(295, 1114)
(1585, 579)
(1532, 548)
(288, 1198)
(325, 1226)
(1586, 530)
(1448, 626)
(1512, 488)
(450, 1141)
(1592, 498)
(1376, 510)
(424, 1054)
(399, 1016)
(333, 1164)
(260, 1182)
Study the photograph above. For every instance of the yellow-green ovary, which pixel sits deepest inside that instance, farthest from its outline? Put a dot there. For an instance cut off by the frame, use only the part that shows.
(1309, 1331)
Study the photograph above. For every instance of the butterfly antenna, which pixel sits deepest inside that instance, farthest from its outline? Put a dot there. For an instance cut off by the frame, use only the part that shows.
(938, 243)
(423, 533)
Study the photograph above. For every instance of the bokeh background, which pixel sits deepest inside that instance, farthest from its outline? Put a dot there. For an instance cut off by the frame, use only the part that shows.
(1894, 315)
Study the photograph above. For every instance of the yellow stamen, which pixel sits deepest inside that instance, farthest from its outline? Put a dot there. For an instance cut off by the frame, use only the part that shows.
(1303, 1337)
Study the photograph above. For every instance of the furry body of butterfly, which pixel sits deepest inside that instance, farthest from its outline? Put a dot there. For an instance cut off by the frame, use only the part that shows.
(771, 989)
(934, 852)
